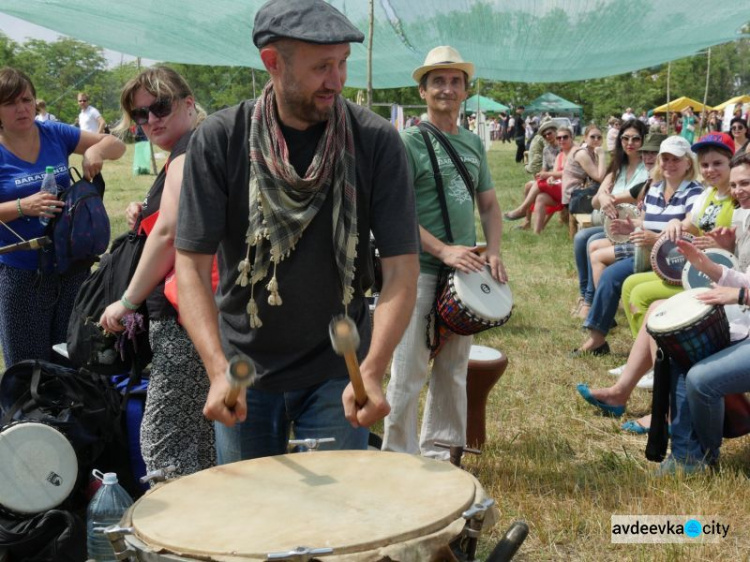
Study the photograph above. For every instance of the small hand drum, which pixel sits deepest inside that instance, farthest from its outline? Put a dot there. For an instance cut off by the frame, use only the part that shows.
(667, 261)
(693, 278)
(38, 468)
(624, 211)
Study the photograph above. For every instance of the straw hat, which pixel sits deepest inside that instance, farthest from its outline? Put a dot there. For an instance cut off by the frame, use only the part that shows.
(444, 57)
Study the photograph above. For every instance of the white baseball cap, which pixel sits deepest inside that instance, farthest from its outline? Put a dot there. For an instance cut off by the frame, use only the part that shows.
(676, 146)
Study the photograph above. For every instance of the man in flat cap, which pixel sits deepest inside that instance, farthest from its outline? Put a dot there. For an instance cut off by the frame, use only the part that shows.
(287, 188)
(443, 82)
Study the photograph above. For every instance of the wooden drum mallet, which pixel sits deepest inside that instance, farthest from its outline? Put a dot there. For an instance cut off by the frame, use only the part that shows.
(240, 374)
(345, 341)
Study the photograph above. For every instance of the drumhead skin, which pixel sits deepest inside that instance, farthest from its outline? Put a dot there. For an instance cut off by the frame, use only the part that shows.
(38, 468)
(481, 353)
(482, 295)
(692, 278)
(667, 262)
(677, 312)
(351, 501)
(624, 211)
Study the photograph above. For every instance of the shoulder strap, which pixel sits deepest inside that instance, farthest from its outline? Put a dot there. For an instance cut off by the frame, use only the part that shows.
(455, 158)
(438, 183)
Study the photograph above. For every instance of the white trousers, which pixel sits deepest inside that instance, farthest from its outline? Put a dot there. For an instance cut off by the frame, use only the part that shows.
(444, 417)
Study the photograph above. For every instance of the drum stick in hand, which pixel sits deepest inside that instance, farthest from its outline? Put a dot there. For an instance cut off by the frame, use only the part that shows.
(240, 374)
(345, 341)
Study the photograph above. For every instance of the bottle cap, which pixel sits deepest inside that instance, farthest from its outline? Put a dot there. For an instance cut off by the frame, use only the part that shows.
(107, 479)
(50, 170)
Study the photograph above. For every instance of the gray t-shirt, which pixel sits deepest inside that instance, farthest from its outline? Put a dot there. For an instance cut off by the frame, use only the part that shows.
(292, 349)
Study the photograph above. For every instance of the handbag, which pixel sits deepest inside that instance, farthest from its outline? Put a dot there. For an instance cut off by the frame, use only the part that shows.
(580, 199)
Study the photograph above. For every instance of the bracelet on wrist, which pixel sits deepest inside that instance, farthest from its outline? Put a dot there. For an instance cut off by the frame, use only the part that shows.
(129, 305)
(19, 209)
(741, 297)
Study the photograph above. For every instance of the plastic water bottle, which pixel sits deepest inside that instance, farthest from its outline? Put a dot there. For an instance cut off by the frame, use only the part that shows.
(105, 509)
(49, 185)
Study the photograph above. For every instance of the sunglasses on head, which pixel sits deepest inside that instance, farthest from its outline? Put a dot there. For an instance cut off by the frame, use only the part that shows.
(160, 108)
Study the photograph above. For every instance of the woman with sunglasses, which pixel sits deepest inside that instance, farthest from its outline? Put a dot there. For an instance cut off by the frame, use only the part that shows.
(174, 430)
(546, 188)
(738, 129)
(34, 309)
(585, 163)
(625, 171)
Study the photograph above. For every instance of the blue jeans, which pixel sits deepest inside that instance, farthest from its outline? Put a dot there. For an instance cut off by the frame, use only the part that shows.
(311, 413)
(698, 401)
(607, 296)
(581, 242)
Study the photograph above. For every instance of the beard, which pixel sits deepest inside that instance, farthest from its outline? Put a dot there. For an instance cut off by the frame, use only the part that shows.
(301, 105)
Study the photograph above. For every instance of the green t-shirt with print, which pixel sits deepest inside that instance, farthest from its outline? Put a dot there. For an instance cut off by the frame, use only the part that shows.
(460, 206)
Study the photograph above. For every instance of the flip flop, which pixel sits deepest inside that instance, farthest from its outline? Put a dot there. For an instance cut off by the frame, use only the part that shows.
(632, 426)
(614, 411)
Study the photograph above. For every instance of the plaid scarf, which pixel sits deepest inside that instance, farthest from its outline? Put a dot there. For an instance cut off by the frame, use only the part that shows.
(282, 204)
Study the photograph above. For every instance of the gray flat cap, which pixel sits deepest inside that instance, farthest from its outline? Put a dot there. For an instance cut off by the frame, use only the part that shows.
(312, 21)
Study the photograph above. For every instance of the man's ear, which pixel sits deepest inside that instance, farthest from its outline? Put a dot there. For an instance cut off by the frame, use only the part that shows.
(270, 58)
(422, 92)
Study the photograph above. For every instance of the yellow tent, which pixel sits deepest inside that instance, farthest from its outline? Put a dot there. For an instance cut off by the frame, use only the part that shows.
(738, 99)
(681, 103)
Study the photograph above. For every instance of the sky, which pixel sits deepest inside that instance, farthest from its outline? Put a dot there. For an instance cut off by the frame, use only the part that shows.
(20, 30)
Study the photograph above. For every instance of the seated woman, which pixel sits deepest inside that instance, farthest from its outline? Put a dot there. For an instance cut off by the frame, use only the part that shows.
(546, 191)
(625, 171)
(672, 196)
(174, 430)
(613, 400)
(697, 397)
(713, 209)
(588, 240)
(738, 129)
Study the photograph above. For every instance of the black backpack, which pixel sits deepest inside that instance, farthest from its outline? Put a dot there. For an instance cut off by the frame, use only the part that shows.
(83, 406)
(88, 346)
(81, 232)
(53, 536)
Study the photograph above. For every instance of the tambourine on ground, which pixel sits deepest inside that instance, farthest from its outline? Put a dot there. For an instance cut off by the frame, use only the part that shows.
(365, 505)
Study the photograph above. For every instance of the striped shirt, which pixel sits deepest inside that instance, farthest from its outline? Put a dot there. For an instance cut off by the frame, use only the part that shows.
(659, 213)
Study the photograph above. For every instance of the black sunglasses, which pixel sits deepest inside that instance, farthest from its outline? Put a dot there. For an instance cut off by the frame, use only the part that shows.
(160, 108)
(563, 137)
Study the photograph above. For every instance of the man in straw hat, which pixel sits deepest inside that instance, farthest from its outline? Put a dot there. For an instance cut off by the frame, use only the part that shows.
(287, 188)
(443, 82)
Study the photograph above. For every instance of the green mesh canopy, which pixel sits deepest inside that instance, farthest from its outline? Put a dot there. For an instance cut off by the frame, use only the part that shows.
(508, 40)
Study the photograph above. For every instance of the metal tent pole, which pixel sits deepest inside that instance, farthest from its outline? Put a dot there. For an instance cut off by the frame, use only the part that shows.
(369, 54)
(705, 92)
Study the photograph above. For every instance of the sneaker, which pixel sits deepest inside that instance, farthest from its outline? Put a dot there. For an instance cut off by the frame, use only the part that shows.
(617, 371)
(647, 381)
(671, 466)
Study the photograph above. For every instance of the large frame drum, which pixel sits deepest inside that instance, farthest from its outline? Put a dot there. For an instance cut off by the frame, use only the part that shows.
(365, 505)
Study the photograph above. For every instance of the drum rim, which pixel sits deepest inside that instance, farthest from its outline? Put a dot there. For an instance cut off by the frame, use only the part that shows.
(424, 529)
(677, 329)
(607, 222)
(708, 251)
(451, 286)
(654, 256)
(70, 483)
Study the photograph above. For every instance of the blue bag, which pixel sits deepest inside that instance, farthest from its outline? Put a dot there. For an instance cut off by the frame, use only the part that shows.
(81, 232)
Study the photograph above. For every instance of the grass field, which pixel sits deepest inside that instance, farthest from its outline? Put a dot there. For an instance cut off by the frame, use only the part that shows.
(549, 459)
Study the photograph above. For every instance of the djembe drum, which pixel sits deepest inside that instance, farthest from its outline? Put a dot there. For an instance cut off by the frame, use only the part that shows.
(486, 366)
